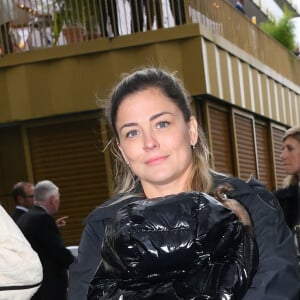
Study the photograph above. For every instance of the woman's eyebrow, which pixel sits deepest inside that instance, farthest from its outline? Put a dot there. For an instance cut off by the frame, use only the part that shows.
(151, 119)
(128, 125)
(159, 115)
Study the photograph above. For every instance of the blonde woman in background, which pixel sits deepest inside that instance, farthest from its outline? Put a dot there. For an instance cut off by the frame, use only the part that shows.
(289, 195)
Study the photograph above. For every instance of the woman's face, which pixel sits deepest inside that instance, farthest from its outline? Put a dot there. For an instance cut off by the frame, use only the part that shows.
(291, 155)
(156, 141)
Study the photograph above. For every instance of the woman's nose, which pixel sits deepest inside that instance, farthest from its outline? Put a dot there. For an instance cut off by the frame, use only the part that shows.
(150, 142)
(283, 155)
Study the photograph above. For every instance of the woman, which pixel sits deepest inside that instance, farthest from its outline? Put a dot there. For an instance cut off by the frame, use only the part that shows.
(289, 195)
(160, 152)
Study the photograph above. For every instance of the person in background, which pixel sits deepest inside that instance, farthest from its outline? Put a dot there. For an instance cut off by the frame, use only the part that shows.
(23, 197)
(289, 194)
(21, 271)
(40, 229)
(239, 5)
(152, 8)
(160, 151)
(6, 17)
(178, 11)
(108, 8)
(297, 52)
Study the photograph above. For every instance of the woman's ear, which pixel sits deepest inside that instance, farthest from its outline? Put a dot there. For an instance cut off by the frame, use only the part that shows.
(193, 130)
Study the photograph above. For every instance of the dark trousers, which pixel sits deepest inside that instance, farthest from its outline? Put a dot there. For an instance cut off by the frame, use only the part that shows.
(177, 8)
(152, 9)
(108, 8)
(5, 39)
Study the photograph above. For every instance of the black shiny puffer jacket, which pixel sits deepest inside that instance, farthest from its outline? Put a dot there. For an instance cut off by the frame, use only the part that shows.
(186, 246)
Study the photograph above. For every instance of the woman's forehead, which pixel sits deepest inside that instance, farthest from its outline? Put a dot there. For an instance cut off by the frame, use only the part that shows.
(150, 101)
(291, 140)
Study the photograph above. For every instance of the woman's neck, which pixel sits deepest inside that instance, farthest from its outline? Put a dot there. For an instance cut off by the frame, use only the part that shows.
(163, 190)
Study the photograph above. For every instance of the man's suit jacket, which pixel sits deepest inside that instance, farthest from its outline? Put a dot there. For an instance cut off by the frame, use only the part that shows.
(17, 214)
(41, 231)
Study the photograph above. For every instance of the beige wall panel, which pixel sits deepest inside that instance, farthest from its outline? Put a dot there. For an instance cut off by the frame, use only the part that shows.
(71, 85)
(256, 91)
(5, 111)
(297, 110)
(165, 55)
(192, 66)
(245, 84)
(272, 100)
(235, 65)
(281, 102)
(289, 106)
(161, 55)
(224, 75)
(15, 87)
(229, 58)
(211, 69)
(265, 95)
(250, 71)
(295, 117)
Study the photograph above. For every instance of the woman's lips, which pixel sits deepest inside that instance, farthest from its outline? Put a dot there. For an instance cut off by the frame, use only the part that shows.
(156, 160)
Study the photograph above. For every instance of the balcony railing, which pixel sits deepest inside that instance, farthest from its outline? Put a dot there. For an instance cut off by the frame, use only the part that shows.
(46, 23)
(52, 23)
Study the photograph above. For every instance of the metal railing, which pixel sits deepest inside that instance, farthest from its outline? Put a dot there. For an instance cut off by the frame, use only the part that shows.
(47, 23)
(32, 24)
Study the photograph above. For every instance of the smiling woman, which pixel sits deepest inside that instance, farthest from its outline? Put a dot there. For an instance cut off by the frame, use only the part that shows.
(147, 241)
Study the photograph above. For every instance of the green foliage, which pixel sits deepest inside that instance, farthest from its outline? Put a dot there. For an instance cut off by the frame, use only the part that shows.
(57, 27)
(283, 30)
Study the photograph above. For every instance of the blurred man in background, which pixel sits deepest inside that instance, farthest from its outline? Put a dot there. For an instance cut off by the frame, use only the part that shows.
(23, 197)
(40, 229)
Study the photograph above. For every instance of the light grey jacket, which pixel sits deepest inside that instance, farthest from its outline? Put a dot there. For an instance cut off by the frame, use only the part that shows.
(21, 271)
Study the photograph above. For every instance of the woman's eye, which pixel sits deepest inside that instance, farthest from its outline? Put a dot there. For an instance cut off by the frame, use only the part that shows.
(132, 133)
(162, 124)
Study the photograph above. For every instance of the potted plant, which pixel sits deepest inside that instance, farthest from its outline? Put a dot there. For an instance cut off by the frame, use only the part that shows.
(75, 18)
